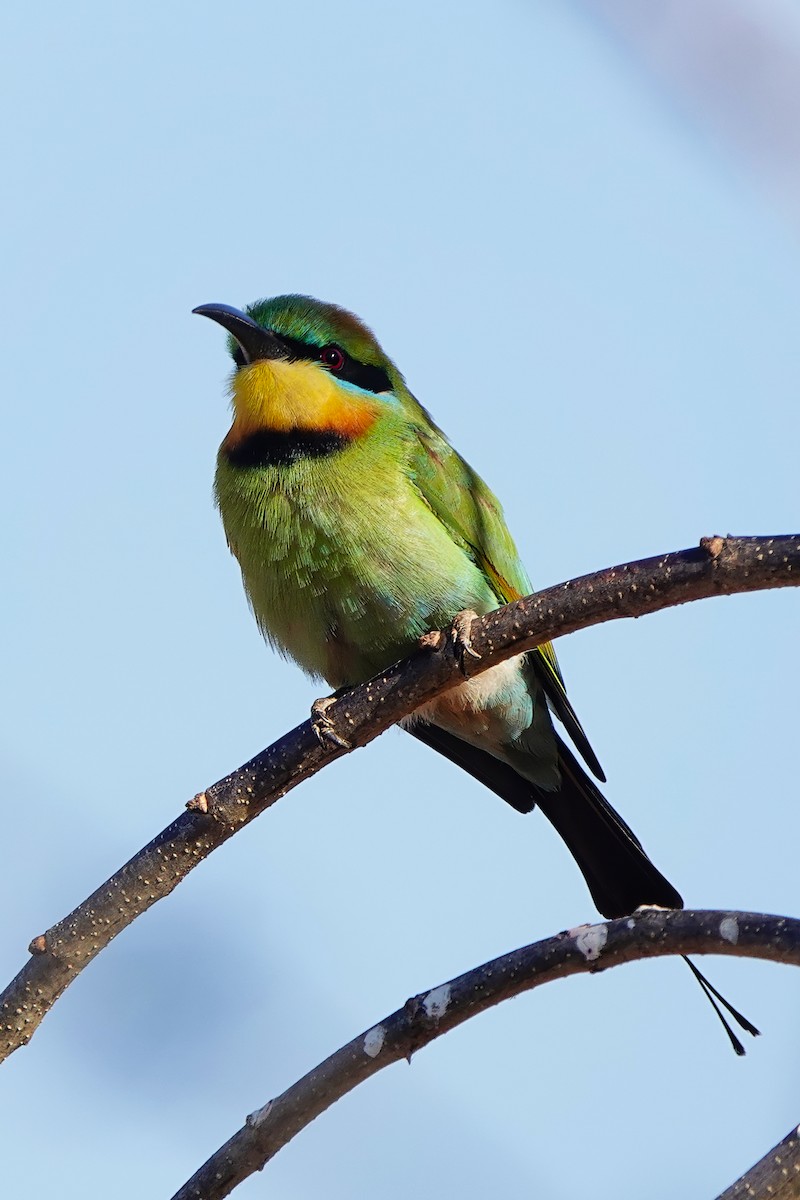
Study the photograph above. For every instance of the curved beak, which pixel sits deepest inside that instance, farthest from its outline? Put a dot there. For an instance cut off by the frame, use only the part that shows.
(254, 341)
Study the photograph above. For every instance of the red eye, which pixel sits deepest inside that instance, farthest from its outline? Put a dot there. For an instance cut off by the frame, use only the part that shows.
(333, 357)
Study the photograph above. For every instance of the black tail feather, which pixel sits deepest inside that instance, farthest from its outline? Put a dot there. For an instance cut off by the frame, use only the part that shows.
(617, 871)
(619, 874)
(492, 772)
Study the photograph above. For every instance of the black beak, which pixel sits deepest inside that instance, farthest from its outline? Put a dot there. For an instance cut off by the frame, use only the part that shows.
(254, 341)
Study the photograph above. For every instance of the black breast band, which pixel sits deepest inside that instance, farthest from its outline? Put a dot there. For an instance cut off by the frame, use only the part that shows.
(279, 448)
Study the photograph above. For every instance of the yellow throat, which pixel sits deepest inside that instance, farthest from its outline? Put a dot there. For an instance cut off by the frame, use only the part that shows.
(280, 395)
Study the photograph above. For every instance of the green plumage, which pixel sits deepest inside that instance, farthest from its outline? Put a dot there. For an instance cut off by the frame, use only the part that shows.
(358, 528)
(346, 606)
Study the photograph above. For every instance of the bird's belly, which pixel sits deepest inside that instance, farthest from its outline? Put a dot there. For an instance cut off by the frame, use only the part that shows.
(346, 593)
(493, 709)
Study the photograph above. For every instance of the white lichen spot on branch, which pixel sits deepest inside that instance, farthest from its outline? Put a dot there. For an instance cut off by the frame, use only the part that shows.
(373, 1041)
(729, 930)
(436, 1002)
(591, 940)
(259, 1116)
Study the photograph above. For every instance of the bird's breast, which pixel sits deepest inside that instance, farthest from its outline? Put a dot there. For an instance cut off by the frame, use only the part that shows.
(343, 564)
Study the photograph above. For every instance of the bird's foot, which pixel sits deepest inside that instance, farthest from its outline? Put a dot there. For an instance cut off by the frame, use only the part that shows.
(324, 727)
(462, 642)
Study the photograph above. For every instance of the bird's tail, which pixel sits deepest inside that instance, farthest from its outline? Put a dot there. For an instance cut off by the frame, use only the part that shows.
(620, 875)
(617, 871)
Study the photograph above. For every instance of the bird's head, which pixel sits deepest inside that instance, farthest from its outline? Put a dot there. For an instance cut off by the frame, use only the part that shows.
(303, 365)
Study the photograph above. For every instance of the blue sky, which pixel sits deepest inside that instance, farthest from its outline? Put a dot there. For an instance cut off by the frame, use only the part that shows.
(600, 309)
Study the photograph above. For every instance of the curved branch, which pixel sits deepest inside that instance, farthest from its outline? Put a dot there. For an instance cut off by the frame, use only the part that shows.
(719, 566)
(649, 933)
(776, 1175)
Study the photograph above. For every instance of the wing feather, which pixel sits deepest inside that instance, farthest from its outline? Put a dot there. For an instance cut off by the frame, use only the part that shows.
(473, 517)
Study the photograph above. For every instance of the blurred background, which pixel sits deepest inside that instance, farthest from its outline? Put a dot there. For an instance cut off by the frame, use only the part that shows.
(575, 228)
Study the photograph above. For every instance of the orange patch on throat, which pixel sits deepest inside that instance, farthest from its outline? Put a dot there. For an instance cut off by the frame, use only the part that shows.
(282, 396)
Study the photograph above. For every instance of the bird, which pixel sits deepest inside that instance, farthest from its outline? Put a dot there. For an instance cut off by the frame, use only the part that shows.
(359, 528)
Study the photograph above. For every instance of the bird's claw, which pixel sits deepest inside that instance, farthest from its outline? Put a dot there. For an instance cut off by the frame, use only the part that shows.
(462, 642)
(323, 726)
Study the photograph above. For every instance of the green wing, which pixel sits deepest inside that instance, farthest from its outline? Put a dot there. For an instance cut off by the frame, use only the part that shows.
(472, 515)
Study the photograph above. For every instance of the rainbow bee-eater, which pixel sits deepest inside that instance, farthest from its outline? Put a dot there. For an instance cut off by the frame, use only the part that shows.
(358, 528)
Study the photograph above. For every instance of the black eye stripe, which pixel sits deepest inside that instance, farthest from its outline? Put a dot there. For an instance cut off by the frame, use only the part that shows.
(298, 349)
(363, 375)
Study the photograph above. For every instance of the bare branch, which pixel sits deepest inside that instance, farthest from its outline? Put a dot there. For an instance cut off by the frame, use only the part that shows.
(719, 566)
(776, 1175)
(649, 933)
